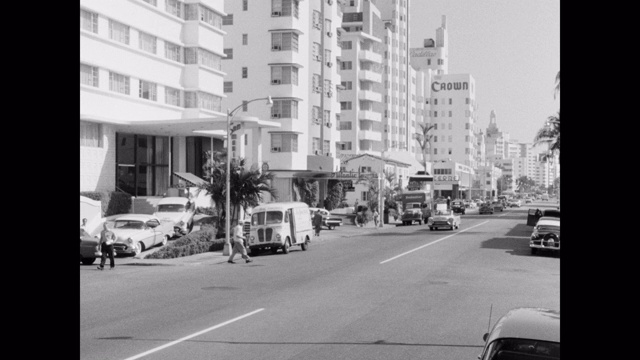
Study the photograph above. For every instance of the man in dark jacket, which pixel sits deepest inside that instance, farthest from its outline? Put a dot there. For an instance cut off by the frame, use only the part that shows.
(317, 222)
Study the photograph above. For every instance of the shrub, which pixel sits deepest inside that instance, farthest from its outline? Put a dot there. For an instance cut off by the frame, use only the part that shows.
(196, 242)
(113, 202)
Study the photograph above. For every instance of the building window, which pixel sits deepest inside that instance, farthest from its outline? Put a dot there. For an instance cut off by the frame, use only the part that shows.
(327, 26)
(147, 42)
(89, 21)
(315, 114)
(245, 39)
(147, 90)
(450, 113)
(284, 41)
(364, 196)
(118, 83)
(152, 2)
(90, 134)
(245, 72)
(450, 151)
(435, 138)
(284, 109)
(450, 126)
(202, 100)
(228, 86)
(208, 16)
(245, 5)
(317, 22)
(229, 53)
(466, 126)
(89, 75)
(346, 65)
(173, 51)
(315, 85)
(284, 8)
(284, 142)
(435, 151)
(450, 101)
(171, 96)
(227, 20)
(450, 138)
(174, 7)
(347, 45)
(118, 32)
(345, 105)
(284, 75)
(345, 125)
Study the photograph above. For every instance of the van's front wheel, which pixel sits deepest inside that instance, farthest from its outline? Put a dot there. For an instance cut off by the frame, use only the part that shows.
(305, 245)
(286, 246)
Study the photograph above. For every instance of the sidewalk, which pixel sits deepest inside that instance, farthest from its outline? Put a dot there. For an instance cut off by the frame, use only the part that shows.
(216, 257)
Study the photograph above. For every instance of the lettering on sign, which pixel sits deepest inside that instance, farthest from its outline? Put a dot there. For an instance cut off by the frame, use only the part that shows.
(422, 53)
(446, 178)
(438, 86)
(235, 127)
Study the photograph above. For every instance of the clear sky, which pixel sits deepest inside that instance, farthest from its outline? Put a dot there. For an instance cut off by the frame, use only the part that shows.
(510, 47)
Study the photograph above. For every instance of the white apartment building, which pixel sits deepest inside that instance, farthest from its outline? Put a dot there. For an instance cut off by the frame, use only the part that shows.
(151, 91)
(286, 49)
(434, 54)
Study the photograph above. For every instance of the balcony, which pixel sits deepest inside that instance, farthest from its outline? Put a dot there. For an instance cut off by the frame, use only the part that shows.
(369, 115)
(369, 95)
(369, 135)
(368, 75)
(370, 56)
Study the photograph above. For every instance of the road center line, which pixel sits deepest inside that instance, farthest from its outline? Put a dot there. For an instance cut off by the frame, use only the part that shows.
(193, 335)
(433, 242)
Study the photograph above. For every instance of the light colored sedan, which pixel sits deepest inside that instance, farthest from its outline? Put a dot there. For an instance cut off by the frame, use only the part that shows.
(444, 219)
(137, 232)
(180, 210)
(328, 220)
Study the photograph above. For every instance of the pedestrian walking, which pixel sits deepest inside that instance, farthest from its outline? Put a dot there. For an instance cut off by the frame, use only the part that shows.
(238, 244)
(448, 202)
(317, 223)
(107, 238)
(375, 217)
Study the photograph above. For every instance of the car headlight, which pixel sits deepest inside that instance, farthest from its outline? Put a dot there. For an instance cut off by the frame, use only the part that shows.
(130, 240)
(278, 237)
(251, 238)
(450, 221)
(180, 223)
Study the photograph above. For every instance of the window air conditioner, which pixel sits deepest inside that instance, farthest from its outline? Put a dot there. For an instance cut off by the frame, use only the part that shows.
(329, 34)
(275, 149)
(330, 2)
(275, 47)
(275, 116)
(276, 13)
(275, 81)
(329, 64)
(317, 89)
(330, 154)
(318, 57)
(329, 124)
(317, 152)
(329, 93)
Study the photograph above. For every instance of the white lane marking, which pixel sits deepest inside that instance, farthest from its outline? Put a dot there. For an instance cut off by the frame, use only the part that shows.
(192, 335)
(433, 242)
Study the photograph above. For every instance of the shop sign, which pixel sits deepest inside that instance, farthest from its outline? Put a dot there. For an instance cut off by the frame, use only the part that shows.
(441, 178)
(438, 86)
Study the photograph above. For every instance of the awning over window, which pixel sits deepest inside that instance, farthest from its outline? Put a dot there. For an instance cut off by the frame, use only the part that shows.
(190, 178)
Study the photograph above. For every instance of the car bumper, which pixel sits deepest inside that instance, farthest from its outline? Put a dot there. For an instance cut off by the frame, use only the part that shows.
(123, 249)
(546, 245)
(332, 223)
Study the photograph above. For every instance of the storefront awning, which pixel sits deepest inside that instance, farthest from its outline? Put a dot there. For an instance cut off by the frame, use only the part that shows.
(190, 178)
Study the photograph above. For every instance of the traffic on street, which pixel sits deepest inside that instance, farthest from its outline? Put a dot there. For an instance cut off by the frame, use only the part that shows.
(356, 293)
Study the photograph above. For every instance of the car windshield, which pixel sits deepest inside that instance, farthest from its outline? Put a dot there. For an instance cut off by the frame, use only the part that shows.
(272, 217)
(413, 206)
(548, 228)
(442, 212)
(171, 208)
(128, 224)
(523, 349)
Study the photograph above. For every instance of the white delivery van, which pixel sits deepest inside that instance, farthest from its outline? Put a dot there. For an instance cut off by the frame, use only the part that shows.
(280, 226)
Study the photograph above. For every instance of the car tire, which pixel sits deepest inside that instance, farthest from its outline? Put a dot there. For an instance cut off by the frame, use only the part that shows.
(286, 247)
(305, 245)
(88, 260)
(419, 222)
(331, 227)
(534, 251)
(431, 228)
(139, 248)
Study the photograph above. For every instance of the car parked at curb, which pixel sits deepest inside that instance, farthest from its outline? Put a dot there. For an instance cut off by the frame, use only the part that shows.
(458, 207)
(545, 235)
(524, 334)
(328, 220)
(514, 203)
(444, 219)
(179, 210)
(137, 232)
(497, 206)
(89, 248)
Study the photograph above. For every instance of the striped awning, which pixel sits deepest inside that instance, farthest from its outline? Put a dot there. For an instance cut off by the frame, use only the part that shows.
(190, 178)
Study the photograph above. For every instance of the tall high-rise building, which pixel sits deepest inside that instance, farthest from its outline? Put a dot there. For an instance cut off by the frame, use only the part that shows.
(150, 77)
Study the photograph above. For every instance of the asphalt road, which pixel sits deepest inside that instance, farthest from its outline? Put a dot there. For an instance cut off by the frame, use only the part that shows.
(400, 293)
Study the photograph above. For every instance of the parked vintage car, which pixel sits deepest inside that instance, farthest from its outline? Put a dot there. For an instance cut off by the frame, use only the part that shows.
(514, 203)
(444, 219)
(497, 206)
(89, 247)
(486, 208)
(551, 213)
(528, 201)
(545, 235)
(458, 207)
(328, 220)
(179, 210)
(137, 232)
(524, 333)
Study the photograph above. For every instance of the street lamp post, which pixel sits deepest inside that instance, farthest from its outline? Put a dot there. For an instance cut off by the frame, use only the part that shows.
(230, 114)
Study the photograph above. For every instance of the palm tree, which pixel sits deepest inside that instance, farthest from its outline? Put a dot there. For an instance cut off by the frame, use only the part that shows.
(550, 134)
(424, 139)
(247, 186)
(306, 191)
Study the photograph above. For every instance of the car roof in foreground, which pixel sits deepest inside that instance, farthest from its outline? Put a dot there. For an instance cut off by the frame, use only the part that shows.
(528, 323)
(549, 221)
(173, 200)
(136, 217)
